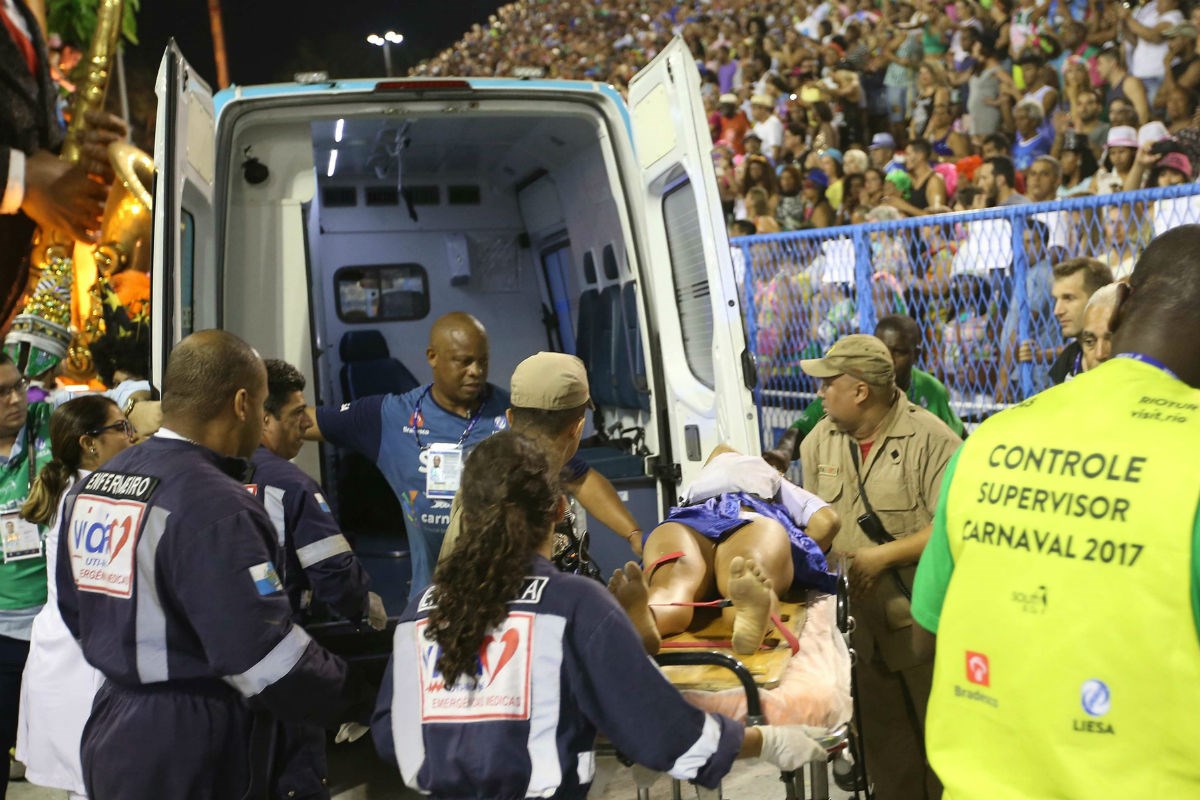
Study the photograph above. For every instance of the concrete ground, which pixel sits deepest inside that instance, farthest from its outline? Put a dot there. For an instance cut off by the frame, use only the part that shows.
(359, 775)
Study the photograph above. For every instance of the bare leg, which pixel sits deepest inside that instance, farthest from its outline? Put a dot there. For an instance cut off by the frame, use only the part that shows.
(763, 569)
(687, 579)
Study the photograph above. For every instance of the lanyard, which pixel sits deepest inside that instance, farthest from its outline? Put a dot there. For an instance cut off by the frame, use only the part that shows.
(416, 418)
(1145, 359)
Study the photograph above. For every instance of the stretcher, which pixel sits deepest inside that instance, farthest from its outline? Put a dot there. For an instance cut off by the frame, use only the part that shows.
(801, 675)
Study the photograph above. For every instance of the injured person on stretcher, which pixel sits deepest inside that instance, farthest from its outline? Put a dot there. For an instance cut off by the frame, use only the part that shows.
(744, 536)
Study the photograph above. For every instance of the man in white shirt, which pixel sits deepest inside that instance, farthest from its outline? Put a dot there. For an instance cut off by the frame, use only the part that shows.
(1144, 30)
(767, 125)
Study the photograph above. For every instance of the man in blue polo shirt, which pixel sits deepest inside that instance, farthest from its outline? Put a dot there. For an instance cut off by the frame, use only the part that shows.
(420, 439)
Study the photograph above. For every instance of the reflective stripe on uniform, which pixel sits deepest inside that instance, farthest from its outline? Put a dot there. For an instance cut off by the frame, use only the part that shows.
(546, 774)
(688, 765)
(150, 649)
(406, 704)
(274, 665)
(273, 502)
(322, 549)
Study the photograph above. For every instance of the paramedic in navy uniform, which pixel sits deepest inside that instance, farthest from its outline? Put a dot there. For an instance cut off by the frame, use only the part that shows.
(504, 670)
(402, 433)
(317, 562)
(166, 576)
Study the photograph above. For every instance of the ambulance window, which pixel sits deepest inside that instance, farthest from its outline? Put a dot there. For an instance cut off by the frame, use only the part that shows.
(609, 258)
(187, 263)
(589, 269)
(690, 272)
(382, 293)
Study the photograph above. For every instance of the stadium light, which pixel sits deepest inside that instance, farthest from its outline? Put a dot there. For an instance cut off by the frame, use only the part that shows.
(386, 41)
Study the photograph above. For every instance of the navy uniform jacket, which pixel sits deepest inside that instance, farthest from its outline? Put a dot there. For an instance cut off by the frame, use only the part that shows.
(316, 556)
(565, 664)
(166, 576)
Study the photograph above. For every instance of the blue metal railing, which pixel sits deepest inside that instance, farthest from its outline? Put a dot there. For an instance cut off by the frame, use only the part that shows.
(978, 283)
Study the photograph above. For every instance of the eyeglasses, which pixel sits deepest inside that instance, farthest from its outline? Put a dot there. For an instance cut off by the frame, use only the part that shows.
(121, 425)
(18, 387)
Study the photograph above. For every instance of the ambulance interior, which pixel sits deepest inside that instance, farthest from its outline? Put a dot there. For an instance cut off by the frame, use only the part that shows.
(384, 221)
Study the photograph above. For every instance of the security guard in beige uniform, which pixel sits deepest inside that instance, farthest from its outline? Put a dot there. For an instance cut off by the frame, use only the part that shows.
(878, 459)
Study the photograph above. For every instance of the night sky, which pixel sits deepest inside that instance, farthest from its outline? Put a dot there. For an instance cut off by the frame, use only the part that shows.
(270, 40)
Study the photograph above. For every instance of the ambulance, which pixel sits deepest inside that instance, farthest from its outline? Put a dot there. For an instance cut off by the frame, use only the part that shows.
(330, 223)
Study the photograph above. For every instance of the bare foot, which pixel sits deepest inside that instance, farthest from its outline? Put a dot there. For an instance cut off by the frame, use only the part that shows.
(628, 585)
(750, 591)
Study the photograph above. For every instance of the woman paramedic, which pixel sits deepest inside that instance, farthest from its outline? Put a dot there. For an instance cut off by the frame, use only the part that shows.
(59, 686)
(503, 672)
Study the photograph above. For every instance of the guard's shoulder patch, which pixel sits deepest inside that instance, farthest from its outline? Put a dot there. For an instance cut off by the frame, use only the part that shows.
(266, 579)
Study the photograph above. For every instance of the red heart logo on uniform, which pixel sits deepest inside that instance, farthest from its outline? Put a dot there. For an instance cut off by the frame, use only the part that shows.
(509, 640)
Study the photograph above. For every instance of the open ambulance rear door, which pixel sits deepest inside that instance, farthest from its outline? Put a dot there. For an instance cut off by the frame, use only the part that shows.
(707, 369)
(183, 274)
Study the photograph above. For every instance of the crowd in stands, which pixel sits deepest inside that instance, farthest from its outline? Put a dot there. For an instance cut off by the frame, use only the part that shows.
(827, 113)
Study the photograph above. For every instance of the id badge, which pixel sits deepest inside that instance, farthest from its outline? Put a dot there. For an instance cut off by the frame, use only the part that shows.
(443, 470)
(21, 539)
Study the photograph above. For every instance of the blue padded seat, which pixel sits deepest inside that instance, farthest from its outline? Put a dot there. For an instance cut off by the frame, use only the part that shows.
(368, 367)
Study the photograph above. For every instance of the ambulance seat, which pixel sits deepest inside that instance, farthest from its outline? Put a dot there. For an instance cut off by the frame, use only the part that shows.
(368, 367)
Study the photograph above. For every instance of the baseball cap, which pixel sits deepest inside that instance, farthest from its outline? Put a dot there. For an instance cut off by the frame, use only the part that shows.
(1181, 29)
(729, 98)
(1178, 162)
(882, 140)
(551, 382)
(1122, 136)
(818, 177)
(859, 355)
(761, 100)
(833, 153)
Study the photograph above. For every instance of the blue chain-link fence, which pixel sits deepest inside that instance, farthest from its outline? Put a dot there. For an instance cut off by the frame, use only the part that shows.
(978, 283)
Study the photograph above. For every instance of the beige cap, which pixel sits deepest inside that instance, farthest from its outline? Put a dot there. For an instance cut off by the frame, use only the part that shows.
(551, 382)
(859, 355)
(761, 100)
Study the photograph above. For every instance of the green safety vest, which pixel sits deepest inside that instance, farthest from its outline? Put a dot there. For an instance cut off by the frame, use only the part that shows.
(23, 583)
(1068, 662)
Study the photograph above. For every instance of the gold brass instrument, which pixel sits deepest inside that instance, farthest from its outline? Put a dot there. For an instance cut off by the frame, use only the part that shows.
(63, 314)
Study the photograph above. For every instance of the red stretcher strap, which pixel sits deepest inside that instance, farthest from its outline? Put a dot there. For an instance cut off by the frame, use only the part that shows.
(787, 635)
(666, 559)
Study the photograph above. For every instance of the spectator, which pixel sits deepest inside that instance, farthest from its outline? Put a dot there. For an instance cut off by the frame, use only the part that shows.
(1078, 166)
(928, 195)
(1180, 106)
(821, 118)
(997, 179)
(1095, 339)
(883, 153)
(758, 209)
(1084, 120)
(871, 195)
(948, 143)
(789, 208)
(1145, 28)
(903, 54)
(1123, 237)
(931, 89)
(1172, 169)
(1181, 64)
(998, 144)
(767, 125)
(1121, 85)
(984, 85)
(1075, 281)
(817, 211)
(731, 125)
(855, 162)
(758, 172)
(1122, 149)
(830, 162)
(1032, 140)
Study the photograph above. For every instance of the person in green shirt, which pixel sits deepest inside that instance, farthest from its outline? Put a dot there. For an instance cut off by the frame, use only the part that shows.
(24, 449)
(903, 338)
